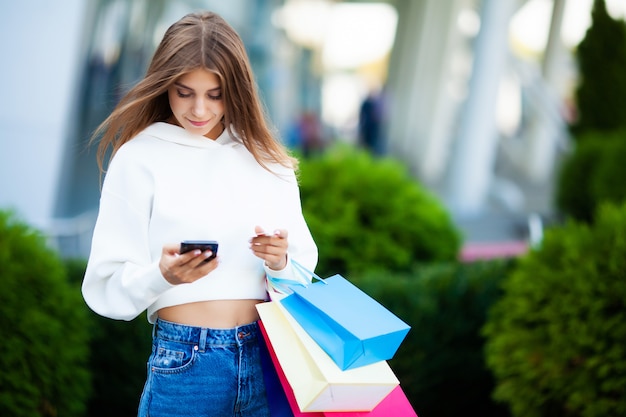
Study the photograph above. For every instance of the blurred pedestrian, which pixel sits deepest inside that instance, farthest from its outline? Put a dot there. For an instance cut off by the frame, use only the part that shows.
(193, 158)
(310, 132)
(371, 118)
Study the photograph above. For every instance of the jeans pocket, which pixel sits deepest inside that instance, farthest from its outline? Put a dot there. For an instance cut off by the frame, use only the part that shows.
(170, 356)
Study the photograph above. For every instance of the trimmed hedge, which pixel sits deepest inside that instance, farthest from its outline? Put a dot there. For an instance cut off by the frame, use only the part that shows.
(601, 56)
(368, 213)
(44, 329)
(119, 352)
(441, 364)
(593, 174)
(556, 341)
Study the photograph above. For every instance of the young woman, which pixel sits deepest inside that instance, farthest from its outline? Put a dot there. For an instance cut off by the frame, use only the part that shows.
(193, 158)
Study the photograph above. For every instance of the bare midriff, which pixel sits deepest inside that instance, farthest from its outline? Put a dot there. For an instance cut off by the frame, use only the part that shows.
(217, 314)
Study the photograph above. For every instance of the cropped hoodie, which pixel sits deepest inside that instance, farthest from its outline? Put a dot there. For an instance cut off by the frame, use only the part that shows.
(167, 185)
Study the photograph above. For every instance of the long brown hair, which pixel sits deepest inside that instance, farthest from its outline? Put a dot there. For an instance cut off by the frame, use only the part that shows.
(198, 40)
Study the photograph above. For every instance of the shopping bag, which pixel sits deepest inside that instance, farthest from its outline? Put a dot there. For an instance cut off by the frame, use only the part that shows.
(316, 381)
(349, 325)
(279, 404)
(395, 404)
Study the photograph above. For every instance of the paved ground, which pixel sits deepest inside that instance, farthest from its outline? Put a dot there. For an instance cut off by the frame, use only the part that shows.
(516, 213)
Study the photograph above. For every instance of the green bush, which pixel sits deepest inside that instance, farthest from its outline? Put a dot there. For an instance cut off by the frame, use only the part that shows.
(367, 213)
(44, 329)
(601, 93)
(119, 351)
(440, 364)
(556, 340)
(592, 174)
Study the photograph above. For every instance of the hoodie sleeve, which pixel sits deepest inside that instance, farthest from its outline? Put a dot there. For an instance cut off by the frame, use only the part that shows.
(302, 247)
(122, 280)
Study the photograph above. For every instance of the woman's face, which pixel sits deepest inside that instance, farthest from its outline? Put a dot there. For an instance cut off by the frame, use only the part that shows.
(196, 103)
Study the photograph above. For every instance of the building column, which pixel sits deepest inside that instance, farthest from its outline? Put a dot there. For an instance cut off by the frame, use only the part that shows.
(426, 39)
(548, 126)
(473, 158)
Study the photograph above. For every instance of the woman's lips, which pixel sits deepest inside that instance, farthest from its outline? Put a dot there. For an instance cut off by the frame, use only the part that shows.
(198, 124)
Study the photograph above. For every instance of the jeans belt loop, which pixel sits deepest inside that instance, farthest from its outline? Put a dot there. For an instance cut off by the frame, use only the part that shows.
(203, 334)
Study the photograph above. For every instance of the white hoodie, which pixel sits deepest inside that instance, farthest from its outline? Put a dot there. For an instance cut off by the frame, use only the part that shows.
(167, 185)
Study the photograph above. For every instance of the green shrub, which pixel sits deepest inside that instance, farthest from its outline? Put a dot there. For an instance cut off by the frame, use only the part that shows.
(440, 364)
(592, 174)
(119, 351)
(367, 213)
(556, 340)
(601, 93)
(44, 329)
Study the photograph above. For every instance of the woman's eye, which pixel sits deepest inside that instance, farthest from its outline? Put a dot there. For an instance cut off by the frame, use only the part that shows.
(183, 95)
(215, 97)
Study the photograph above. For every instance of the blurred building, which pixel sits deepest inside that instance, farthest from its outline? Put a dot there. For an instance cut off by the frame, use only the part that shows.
(68, 62)
(479, 126)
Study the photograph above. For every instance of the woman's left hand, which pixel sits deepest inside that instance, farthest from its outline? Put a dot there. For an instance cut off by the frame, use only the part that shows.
(271, 248)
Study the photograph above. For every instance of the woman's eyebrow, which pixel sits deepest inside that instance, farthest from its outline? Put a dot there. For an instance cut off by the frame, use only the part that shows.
(181, 85)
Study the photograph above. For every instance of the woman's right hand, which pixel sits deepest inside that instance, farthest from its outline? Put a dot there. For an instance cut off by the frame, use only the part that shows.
(187, 267)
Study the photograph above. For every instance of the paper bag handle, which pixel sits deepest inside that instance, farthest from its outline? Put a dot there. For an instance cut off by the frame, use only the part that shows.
(305, 272)
(281, 285)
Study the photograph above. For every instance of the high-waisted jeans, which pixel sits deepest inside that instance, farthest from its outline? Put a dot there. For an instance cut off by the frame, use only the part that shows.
(196, 371)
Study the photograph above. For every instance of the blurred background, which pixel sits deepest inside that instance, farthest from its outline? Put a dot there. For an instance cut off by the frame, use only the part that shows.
(462, 161)
(473, 96)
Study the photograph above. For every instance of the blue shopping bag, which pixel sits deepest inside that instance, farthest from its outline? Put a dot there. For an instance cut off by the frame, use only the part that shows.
(349, 325)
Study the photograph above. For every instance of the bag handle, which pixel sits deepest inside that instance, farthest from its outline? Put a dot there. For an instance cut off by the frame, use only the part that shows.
(305, 272)
(282, 284)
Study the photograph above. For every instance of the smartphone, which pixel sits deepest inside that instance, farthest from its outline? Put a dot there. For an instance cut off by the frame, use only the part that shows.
(189, 245)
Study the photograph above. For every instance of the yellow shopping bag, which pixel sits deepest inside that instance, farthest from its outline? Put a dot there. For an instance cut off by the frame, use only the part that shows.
(317, 382)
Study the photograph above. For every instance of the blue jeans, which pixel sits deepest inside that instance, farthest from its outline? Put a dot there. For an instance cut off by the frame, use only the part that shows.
(195, 372)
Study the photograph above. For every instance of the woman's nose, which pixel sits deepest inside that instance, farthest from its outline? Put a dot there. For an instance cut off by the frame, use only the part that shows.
(199, 107)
